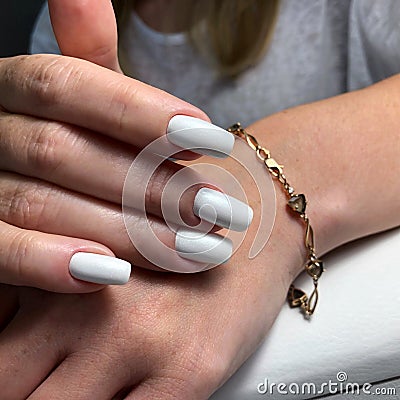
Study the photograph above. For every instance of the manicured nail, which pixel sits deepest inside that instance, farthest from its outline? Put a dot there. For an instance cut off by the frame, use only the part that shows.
(222, 210)
(200, 136)
(201, 247)
(97, 268)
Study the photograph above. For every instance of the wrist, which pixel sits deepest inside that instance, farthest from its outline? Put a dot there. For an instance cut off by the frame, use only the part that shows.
(284, 136)
(298, 204)
(285, 228)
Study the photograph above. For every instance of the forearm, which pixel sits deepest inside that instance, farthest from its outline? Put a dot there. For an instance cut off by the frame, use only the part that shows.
(344, 154)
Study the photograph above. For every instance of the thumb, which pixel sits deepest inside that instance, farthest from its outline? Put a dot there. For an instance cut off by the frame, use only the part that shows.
(86, 29)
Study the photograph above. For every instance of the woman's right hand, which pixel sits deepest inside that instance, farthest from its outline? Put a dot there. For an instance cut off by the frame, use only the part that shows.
(69, 132)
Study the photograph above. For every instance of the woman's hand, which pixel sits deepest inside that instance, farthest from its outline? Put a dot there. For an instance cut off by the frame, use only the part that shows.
(161, 336)
(69, 131)
(179, 337)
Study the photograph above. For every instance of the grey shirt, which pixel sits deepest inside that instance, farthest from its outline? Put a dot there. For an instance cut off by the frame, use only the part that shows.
(320, 48)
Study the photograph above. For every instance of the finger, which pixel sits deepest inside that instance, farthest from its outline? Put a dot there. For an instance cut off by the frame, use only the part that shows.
(27, 355)
(30, 258)
(85, 376)
(85, 162)
(81, 93)
(86, 29)
(143, 240)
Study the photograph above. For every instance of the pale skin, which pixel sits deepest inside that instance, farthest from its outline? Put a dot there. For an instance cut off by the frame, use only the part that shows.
(168, 336)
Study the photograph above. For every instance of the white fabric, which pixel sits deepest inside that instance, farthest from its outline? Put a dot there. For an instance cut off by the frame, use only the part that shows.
(356, 329)
(320, 48)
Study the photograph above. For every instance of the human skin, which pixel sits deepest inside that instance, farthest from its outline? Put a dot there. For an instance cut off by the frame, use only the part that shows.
(70, 131)
(152, 334)
(66, 144)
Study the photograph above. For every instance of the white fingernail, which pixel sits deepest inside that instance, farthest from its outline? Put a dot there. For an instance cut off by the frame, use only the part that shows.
(222, 210)
(200, 136)
(97, 268)
(201, 247)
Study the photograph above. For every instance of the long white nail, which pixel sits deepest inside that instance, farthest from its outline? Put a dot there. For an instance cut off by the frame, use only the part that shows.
(201, 247)
(97, 268)
(222, 210)
(200, 136)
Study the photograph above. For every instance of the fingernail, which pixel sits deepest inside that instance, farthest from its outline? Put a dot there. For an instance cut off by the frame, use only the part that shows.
(222, 210)
(200, 136)
(201, 247)
(97, 268)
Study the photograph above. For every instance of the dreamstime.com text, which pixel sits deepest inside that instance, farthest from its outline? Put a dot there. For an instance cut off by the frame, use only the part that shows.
(340, 385)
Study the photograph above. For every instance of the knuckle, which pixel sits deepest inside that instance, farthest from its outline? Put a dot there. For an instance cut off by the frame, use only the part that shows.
(213, 371)
(18, 205)
(182, 382)
(28, 204)
(20, 246)
(189, 371)
(48, 81)
(13, 69)
(44, 150)
(46, 78)
(38, 144)
(205, 370)
(118, 103)
(173, 388)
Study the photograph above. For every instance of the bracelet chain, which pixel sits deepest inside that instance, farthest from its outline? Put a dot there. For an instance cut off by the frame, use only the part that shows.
(296, 202)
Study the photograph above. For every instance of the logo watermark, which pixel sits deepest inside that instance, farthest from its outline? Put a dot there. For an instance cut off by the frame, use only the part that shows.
(340, 385)
(153, 241)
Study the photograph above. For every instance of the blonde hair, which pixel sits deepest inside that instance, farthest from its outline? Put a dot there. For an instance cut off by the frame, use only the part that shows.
(238, 31)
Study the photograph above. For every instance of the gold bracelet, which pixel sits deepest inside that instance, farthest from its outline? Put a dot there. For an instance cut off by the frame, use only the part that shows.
(297, 203)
